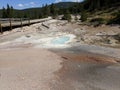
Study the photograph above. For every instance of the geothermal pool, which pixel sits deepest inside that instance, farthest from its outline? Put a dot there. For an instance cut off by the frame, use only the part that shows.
(61, 40)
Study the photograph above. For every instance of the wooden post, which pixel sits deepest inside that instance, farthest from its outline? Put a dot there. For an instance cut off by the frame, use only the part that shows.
(10, 23)
(21, 22)
(29, 21)
(1, 28)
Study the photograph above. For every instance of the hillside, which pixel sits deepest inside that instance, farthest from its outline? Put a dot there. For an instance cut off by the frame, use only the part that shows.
(103, 13)
(65, 4)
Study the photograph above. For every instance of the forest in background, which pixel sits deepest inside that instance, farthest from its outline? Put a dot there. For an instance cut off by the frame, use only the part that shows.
(86, 9)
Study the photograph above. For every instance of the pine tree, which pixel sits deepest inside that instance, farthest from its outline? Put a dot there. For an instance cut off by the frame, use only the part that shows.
(41, 15)
(67, 16)
(4, 15)
(25, 16)
(53, 10)
(97, 5)
(92, 5)
(11, 12)
(46, 10)
(8, 11)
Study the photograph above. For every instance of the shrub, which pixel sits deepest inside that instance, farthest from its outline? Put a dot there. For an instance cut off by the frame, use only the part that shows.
(98, 21)
(67, 16)
(115, 20)
(83, 16)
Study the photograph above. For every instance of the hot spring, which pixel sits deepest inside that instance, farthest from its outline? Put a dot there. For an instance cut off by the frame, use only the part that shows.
(60, 40)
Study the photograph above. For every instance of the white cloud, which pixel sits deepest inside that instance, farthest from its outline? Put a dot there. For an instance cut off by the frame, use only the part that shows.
(75, 0)
(20, 5)
(58, 1)
(30, 4)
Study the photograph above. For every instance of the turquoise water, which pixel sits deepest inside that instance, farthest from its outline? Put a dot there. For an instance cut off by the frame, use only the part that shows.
(60, 40)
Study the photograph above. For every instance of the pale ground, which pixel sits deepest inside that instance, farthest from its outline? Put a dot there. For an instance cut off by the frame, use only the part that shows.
(100, 36)
(25, 67)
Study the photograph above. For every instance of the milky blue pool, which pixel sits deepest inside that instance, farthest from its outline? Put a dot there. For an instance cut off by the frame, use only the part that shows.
(61, 40)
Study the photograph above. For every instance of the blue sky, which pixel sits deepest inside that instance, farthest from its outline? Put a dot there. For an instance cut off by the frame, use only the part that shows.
(21, 4)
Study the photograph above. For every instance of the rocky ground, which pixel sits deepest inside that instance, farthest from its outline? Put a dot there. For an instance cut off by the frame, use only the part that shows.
(84, 65)
(108, 36)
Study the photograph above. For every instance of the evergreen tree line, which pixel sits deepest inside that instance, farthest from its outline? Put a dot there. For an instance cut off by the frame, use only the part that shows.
(52, 10)
(7, 12)
(33, 13)
(43, 12)
(92, 5)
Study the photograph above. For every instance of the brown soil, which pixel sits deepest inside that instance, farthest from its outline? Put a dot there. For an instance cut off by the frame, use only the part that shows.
(89, 58)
